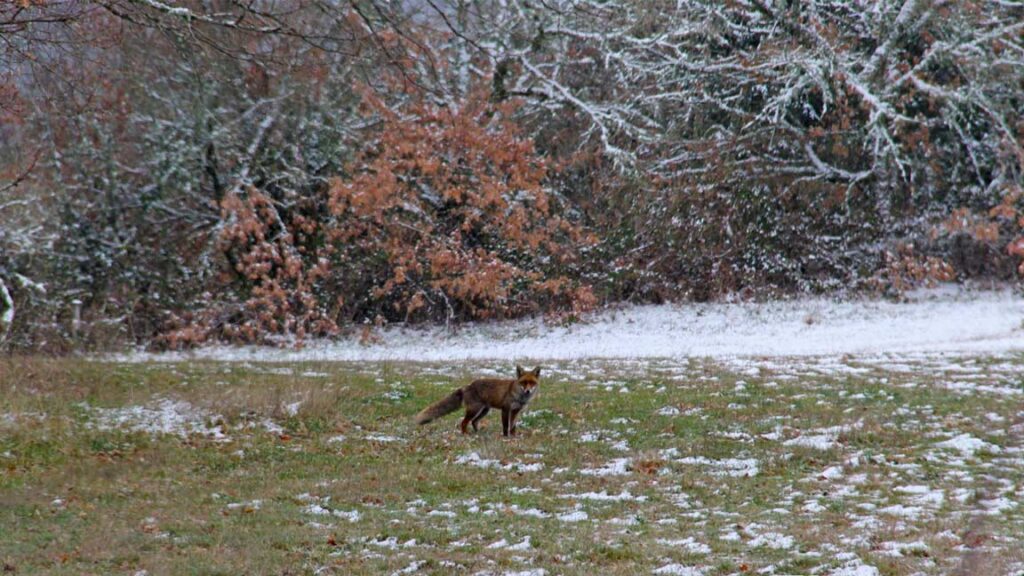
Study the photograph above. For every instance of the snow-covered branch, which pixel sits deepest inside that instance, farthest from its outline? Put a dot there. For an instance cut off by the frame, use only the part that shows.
(6, 312)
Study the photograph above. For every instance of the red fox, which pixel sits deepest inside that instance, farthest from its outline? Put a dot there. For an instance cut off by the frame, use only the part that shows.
(511, 396)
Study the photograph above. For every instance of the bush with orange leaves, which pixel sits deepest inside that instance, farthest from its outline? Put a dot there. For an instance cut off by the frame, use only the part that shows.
(997, 235)
(903, 269)
(444, 215)
(452, 202)
(969, 243)
(1008, 217)
(276, 280)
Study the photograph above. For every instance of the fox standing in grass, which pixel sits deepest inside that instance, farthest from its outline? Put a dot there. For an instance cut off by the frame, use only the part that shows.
(510, 396)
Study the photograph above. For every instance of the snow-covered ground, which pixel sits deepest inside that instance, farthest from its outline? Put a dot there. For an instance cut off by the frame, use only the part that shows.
(902, 458)
(946, 320)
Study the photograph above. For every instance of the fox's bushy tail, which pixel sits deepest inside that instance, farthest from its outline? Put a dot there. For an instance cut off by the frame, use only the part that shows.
(446, 405)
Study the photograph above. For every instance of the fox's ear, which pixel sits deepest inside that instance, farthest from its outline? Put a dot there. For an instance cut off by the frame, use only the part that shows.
(519, 371)
(536, 371)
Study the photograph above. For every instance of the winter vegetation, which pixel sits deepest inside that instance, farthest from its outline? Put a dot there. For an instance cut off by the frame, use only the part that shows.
(768, 254)
(835, 466)
(177, 173)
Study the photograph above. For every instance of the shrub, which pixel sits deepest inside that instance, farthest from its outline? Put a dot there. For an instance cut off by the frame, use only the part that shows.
(444, 215)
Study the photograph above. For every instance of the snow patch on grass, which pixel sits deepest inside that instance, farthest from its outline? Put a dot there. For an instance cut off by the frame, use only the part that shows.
(855, 568)
(900, 549)
(474, 459)
(923, 495)
(946, 321)
(166, 416)
(574, 516)
(616, 467)
(505, 545)
(901, 511)
(689, 545)
(735, 467)
(318, 506)
(823, 439)
(603, 495)
(679, 570)
(773, 540)
(968, 445)
(318, 510)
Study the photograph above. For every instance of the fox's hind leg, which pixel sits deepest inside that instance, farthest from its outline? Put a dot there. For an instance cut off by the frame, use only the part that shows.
(473, 414)
(479, 416)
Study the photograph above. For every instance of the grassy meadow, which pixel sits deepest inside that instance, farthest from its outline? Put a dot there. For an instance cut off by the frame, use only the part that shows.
(845, 466)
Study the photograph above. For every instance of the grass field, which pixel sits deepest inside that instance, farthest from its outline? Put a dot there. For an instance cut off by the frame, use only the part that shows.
(846, 466)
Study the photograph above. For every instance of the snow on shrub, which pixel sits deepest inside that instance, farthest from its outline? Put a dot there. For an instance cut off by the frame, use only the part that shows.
(443, 215)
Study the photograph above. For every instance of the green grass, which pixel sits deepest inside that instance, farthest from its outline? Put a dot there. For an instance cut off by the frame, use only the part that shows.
(79, 495)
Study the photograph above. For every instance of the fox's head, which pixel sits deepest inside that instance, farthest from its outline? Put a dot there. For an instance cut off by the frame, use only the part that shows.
(528, 379)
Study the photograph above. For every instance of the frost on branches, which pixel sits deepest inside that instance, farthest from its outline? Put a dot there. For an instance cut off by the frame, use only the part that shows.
(276, 171)
(779, 144)
(444, 215)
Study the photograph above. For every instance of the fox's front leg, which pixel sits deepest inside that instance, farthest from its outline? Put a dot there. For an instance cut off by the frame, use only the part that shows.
(506, 417)
(512, 424)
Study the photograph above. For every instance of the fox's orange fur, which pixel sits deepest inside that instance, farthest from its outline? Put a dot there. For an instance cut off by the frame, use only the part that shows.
(509, 396)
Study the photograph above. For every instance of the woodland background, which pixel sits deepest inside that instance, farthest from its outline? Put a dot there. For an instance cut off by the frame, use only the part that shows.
(179, 172)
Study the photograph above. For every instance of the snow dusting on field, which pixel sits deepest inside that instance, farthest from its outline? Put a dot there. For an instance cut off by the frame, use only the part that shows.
(165, 416)
(807, 437)
(950, 320)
